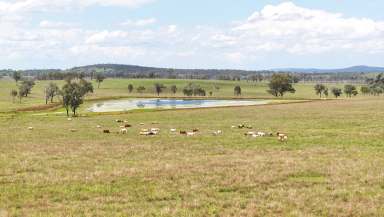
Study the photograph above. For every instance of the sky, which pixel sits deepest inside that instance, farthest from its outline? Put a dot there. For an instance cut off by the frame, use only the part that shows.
(235, 34)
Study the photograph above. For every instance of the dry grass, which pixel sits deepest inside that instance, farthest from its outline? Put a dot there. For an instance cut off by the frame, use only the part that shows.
(331, 166)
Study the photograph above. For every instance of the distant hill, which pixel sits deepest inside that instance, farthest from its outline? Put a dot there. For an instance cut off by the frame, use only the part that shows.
(125, 70)
(353, 69)
(355, 73)
(119, 70)
(130, 69)
(145, 69)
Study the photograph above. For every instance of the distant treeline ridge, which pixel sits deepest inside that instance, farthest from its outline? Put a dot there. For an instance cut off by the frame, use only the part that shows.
(128, 71)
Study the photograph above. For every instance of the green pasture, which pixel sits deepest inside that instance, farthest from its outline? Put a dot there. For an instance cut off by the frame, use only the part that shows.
(331, 165)
(118, 88)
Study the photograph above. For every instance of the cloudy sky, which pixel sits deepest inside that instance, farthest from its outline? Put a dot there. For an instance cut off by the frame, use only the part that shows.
(238, 34)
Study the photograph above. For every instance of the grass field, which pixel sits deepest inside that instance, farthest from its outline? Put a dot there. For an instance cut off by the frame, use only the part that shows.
(119, 88)
(332, 164)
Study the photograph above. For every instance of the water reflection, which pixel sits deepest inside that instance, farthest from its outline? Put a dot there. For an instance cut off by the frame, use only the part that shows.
(131, 104)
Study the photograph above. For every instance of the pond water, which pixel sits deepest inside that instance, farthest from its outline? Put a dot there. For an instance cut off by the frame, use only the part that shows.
(132, 104)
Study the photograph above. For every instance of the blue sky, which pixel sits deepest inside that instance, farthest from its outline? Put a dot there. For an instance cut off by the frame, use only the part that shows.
(241, 34)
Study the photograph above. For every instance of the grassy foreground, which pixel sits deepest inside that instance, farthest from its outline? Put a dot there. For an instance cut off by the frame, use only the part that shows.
(332, 164)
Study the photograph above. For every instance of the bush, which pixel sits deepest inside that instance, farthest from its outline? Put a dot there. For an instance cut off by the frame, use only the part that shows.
(365, 90)
(350, 90)
(173, 89)
(140, 89)
(195, 90)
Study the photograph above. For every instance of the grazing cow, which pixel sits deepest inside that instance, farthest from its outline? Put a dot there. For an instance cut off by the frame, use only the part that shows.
(148, 133)
(254, 134)
(183, 132)
(69, 119)
(127, 126)
(98, 126)
(218, 132)
(249, 133)
(173, 130)
(119, 121)
(124, 131)
(73, 130)
(191, 133)
(154, 131)
(242, 126)
(30, 128)
(282, 137)
(195, 130)
(106, 131)
(262, 134)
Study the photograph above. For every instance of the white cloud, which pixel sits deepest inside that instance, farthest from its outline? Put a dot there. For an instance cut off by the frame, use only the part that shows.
(56, 25)
(287, 27)
(139, 23)
(284, 29)
(172, 28)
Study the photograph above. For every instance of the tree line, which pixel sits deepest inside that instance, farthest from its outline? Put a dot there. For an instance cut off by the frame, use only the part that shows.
(72, 93)
(191, 89)
(127, 71)
(280, 84)
(374, 87)
(349, 90)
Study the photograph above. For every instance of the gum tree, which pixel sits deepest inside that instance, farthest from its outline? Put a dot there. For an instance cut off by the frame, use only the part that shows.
(73, 94)
(336, 92)
(237, 90)
(99, 79)
(280, 84)
(320, 89)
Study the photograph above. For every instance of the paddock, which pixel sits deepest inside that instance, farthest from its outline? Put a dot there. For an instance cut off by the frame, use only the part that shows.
(332, 161)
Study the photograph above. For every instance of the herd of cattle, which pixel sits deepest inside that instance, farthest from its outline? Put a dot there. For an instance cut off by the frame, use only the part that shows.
(155, 131)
